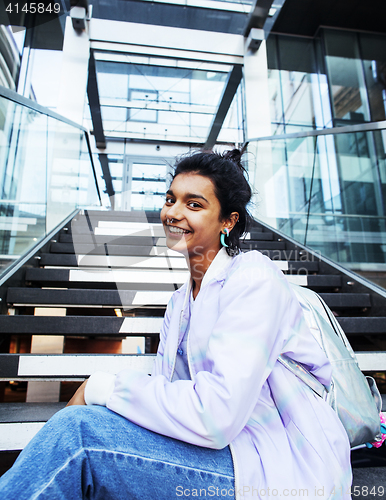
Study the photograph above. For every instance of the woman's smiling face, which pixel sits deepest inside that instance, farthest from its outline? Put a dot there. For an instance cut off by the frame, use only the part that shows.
(191, 216)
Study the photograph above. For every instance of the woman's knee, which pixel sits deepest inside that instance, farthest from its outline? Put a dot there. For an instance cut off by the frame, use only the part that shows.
(88, 426)
(72, 423)
(69, 414)
(76, 414)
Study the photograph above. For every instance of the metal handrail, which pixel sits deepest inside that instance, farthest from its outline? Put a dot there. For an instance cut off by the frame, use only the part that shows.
(327, 214)
(365, 127)
(29, 103)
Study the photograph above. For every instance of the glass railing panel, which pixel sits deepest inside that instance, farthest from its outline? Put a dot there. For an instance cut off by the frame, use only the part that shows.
(63, 171)
(71, 181)
(326, 190)
(45, 174)
(23, 181)
(283, 181)
(348, 239)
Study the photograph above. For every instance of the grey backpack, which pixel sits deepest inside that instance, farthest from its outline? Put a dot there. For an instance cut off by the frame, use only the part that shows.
(353, 396)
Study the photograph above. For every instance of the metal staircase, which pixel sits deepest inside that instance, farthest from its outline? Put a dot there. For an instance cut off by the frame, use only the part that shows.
(106, 263)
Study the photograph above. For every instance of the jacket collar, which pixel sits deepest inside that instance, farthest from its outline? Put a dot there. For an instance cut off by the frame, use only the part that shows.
(216, 270)
(217, 267)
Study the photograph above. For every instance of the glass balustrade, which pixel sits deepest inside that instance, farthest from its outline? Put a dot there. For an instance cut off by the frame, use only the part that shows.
(327, 190)
(46, 172)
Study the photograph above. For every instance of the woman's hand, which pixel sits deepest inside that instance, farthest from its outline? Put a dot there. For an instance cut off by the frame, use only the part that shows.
(78, 397)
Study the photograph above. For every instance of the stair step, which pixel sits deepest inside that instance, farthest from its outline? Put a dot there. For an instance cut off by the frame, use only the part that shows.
(86, 297)
(318, 281)
(69, 366)
(372, 361)
(111, 249)
(81, 325)
(258, 229)
(150, 278)
(346, 300)
(126, 214)
(112, 215)
(292, 255)
(134, 230)
(153, 262)
(367, 479)
(298, 267)
(106, 261)
(28, 412)
(247, 245)
(126, 276)
(259, 235)
(137, 229)
(93, 239)
(83, 234)
(363, 325)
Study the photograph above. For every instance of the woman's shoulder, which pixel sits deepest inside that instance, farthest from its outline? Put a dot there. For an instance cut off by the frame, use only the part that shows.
(253, 269)
(252, 259)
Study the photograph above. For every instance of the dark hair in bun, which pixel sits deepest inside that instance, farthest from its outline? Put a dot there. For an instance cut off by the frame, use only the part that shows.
(230, 185)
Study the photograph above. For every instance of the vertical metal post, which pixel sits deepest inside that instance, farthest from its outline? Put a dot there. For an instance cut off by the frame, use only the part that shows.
(258, 124)
(76, 53)
(311, 186)
(258, 116)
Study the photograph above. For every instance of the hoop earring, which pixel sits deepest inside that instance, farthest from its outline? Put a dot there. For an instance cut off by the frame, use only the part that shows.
(222, 237)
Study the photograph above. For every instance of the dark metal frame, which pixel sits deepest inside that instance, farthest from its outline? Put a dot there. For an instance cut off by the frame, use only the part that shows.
(230, 90)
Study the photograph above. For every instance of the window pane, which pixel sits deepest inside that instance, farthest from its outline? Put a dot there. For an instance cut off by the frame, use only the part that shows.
(373, 51)
(346, 78)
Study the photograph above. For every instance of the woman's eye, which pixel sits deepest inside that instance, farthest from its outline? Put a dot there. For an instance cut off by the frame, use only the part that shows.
(169, 200)
(194, 204)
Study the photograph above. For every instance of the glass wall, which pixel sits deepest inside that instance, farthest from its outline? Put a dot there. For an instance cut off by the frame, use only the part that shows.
(148, 186)
(44, 176)
(346, 77)
(373, 54)
(298, 88)
(356, 67)
(337, 78)
(11, 43)
(32, 58)
(328, 192)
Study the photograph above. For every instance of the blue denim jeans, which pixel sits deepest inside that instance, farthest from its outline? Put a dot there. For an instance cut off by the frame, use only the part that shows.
(91, 452)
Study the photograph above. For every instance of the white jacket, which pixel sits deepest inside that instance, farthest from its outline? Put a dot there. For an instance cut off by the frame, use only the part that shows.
(285, 441)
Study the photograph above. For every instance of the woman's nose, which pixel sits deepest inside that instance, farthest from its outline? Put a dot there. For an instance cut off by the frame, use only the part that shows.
(173, 212)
